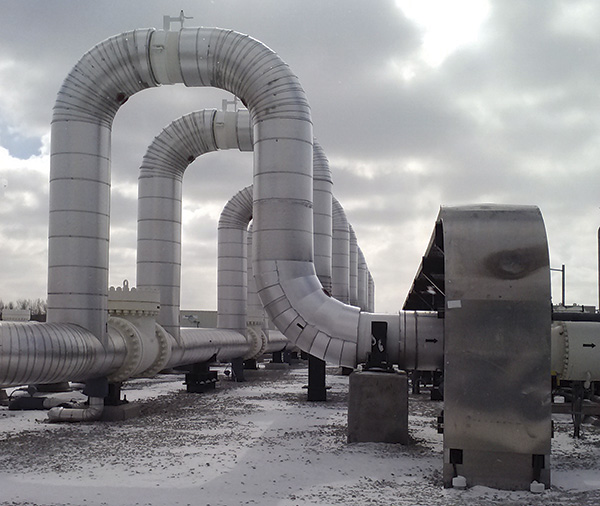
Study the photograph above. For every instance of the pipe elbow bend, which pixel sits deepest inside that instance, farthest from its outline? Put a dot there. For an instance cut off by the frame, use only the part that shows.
(89, 414)
(315, 322)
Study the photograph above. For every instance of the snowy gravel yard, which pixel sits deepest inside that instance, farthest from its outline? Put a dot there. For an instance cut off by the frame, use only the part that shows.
(257, 443)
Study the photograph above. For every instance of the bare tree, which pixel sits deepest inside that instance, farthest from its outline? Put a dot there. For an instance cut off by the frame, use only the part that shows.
(38, 307)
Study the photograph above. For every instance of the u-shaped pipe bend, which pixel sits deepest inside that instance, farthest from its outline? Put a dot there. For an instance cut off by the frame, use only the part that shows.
(283, 181)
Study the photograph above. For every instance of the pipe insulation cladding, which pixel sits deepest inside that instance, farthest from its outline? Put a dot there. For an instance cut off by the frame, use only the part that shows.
(232, 288)
(159, 198)
(55, 352)
(160, 208)
(288, 277)
(574, 355)
(283, 181)
(340, 263)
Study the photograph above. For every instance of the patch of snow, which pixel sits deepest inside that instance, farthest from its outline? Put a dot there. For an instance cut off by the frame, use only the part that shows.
(256, 443)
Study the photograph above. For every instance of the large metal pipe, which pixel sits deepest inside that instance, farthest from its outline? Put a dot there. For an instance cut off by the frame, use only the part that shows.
(283, 255)
(159, 200)
(93, 411)
(340, 260)
(256, 313)
(353, 267)
(322, 216)
(159, 218)
(574, 356)
(197, 345)
(80, 177)
(371, 294)
(34, 352)
(55, 352)
(231, 261)
(362, 281)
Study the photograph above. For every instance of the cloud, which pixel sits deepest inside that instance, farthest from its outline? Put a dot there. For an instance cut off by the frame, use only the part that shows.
(23, 225)
(506, 115)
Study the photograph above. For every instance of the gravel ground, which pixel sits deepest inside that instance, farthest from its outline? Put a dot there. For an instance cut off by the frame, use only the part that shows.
(258, 442)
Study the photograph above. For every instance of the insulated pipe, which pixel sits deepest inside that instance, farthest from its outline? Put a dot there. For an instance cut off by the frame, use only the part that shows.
(371, 294)
(53, 353)
(159, 201)
(198, 345)
(79, 189)
(256, 313)
(88, 414)
(34, 353)
(363, 281)
(283, 254)
(233, 295)
(422, 343)
(353, 267)
(159, 222)
(574, 356)
(322, 216)
(277, 342)
(232, 274)
(231, 262)
(340, 260)
(256, 319)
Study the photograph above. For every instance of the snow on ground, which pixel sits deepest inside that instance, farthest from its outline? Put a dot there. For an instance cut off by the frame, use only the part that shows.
(256, 443)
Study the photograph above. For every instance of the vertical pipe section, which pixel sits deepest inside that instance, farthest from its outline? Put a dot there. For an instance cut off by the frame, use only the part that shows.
(79, 189)
(282, 209)
(340, 262)
(322, 216)
(231, 262)
(363, 281)
(256, 313)
(353, 267)
(371, 294)
(159, 197)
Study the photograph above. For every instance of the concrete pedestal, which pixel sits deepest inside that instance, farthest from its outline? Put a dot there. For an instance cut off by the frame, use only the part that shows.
(378, 407)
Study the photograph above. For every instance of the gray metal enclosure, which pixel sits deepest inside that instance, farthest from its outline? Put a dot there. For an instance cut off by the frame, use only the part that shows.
(486, 272)
(497, 398)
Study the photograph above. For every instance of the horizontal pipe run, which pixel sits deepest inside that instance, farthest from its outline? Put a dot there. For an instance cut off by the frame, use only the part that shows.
(54, 353)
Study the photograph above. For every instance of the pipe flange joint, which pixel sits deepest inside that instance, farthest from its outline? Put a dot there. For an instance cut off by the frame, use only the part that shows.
(257, 341)
(133, 344)
(164, 352)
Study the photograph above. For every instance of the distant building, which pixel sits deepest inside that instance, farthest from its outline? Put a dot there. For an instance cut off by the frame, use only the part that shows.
(16, 315)
(575, 308)
(198, 318)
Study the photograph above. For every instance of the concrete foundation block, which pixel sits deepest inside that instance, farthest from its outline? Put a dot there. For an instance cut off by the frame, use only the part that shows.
(378, 407)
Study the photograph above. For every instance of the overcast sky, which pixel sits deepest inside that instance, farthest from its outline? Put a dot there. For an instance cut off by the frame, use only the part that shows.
(417, 104)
